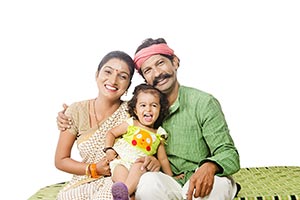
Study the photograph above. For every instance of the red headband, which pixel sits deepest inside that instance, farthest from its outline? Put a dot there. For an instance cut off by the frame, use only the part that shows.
(141, 56)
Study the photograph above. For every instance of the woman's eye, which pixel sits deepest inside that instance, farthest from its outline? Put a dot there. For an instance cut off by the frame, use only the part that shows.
(123, 77)
(107, 71)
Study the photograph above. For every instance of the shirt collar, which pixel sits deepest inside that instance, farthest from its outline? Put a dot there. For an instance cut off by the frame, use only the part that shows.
(176, 104)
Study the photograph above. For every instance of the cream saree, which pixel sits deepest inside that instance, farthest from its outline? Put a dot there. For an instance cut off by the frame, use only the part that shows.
(90, 142)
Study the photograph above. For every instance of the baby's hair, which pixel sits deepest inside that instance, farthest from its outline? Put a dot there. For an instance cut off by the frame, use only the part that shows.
(164, 103)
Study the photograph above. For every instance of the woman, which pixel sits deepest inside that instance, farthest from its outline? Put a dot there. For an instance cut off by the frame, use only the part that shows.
(92, 118)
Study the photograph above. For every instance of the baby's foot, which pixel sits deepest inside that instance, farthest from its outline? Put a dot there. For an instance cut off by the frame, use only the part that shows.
(119, 191)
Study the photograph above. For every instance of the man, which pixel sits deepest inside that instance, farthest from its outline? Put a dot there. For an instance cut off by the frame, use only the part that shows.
(199, 146)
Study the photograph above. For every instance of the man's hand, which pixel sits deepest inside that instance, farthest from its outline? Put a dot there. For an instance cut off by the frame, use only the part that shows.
(150, 163)
(63, 122)
(202, 180)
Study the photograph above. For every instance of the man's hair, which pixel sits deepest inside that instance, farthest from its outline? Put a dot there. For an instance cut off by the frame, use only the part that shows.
(149, 42)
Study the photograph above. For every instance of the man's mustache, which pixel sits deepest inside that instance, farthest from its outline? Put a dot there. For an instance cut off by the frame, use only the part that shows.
(160, 77)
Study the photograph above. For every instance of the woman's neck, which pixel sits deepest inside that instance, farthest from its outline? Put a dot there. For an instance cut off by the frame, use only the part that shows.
(102, 109)
(102, 105)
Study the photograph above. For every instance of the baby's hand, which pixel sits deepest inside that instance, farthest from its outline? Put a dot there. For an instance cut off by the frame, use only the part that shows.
(180, 176)
(111, 155)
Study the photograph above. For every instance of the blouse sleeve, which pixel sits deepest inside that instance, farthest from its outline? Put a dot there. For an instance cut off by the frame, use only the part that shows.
(162, 132)
(72, 112)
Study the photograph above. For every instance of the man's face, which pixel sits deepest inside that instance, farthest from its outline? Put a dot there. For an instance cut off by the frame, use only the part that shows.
(160, 72)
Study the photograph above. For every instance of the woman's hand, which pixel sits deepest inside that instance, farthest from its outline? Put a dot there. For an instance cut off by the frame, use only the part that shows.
(150, 163)
(63, 122)
(103, 168)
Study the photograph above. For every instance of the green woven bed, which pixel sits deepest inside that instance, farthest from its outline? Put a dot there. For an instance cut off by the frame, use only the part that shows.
(261, 183)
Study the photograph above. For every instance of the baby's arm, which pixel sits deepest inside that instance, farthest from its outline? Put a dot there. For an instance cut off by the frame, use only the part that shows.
(163, 159)
(111, 136)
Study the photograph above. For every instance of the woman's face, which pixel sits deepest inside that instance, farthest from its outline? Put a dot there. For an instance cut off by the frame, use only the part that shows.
(113, 79)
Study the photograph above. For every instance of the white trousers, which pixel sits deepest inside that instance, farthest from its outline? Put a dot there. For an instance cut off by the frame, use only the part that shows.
(159, 186)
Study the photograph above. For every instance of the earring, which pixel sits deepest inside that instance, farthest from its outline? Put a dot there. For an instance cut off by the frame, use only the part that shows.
(126, 93)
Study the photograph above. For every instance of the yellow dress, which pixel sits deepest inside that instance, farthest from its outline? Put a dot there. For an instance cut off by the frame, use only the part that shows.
(135, 143)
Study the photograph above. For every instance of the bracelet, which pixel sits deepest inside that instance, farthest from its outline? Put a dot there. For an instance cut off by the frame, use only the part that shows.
(87, 170)
(107, 148)
(93, 170)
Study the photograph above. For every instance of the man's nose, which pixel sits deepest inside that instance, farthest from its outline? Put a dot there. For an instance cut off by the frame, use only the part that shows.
(157, 71)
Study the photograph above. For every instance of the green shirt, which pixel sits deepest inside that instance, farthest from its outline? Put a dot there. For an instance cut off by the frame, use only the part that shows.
(198, 132)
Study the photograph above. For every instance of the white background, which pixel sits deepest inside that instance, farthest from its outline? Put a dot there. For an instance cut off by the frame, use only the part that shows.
(245, 53)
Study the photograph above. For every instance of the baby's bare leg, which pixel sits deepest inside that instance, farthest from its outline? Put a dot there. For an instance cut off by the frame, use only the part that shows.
(120, 174)
(133, 177)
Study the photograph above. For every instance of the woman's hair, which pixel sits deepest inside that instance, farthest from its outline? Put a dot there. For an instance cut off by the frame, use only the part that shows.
(164, 103)
(118, 55)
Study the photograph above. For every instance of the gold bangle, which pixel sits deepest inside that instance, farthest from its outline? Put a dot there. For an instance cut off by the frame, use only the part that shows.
(87, 170)
(93, 170)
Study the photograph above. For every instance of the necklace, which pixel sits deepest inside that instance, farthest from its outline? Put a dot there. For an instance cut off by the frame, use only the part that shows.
(95, 114)
(106, 114)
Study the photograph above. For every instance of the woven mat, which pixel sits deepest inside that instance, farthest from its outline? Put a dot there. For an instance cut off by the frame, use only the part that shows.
(261, 183)
(48, 192)
(269, 183)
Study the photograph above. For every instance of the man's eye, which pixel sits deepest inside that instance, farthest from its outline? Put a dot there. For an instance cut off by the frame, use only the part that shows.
(161, 62)
(146, 71)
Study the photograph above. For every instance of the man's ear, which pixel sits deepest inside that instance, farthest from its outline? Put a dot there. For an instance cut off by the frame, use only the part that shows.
(176, 61)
